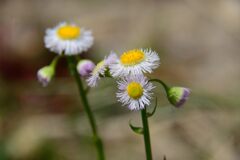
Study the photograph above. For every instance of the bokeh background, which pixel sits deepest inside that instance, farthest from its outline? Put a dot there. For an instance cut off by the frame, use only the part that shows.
(198, 42)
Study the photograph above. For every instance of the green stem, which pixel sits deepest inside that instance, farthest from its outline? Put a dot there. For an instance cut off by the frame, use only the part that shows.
(72, 68)
(146, 134)
(161, 82)
(54, 61)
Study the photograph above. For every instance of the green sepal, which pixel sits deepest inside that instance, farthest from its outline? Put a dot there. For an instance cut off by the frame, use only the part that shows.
(150, 114)
(138, 130)
(107, 73)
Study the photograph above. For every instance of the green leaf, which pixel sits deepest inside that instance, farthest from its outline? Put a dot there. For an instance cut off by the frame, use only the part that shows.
(138, 130)
(150, 114)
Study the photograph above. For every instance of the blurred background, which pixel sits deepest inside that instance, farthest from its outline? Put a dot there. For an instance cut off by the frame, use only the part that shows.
(198, 42)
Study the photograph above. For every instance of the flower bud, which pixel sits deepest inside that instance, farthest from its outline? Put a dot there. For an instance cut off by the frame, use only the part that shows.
(85, 67)
(45, 75)
(178, 95)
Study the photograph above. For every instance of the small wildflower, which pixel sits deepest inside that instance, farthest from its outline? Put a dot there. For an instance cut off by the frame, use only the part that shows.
(135, 62)
(100, 69)
(178, 95)
(68, 39)
(135, 91)
(45, 75)
(85, 67)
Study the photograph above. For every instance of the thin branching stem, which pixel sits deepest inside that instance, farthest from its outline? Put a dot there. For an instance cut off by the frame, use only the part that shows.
(97, 140)
(146, 134)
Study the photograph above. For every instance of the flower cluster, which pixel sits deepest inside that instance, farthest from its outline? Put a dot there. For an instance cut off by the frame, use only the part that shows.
(128, 69)
(134, 88)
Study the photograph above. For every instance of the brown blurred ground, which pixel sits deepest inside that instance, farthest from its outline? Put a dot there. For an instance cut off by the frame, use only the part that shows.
(198, 42)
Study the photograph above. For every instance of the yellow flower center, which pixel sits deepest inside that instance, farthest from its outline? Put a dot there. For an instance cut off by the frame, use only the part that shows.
(69, 32)
(134, 90)
(132, 57)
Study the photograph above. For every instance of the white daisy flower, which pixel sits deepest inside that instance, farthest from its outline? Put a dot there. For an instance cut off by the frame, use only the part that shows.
(135, 62)
(68, 39)
(135, 91)
(100, 69)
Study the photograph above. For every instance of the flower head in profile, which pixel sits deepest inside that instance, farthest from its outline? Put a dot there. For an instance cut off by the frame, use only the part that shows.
(68, 39)
(45, 75)
(100, 69)
(85, 67)
(178, 95)
(135, 92)
(135, 62)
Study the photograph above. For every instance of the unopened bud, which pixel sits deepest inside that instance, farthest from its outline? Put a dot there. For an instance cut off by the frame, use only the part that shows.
(178, 95)
(85, 67)
(45, 75)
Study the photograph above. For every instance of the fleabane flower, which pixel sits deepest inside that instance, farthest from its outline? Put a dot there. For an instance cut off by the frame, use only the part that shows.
(100, 69)
(68, 39)
(135, 62)
(135, 92)
(85, 67)
(45, 75)
(178, 95)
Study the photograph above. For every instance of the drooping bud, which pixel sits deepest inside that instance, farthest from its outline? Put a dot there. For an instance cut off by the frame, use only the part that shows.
(85, 67)
(178, 95)
(45, 75)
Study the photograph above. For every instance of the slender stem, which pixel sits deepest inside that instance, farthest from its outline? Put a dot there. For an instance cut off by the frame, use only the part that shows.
(54, 61)
(146, 134)
(72, 68)
(161, 82)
